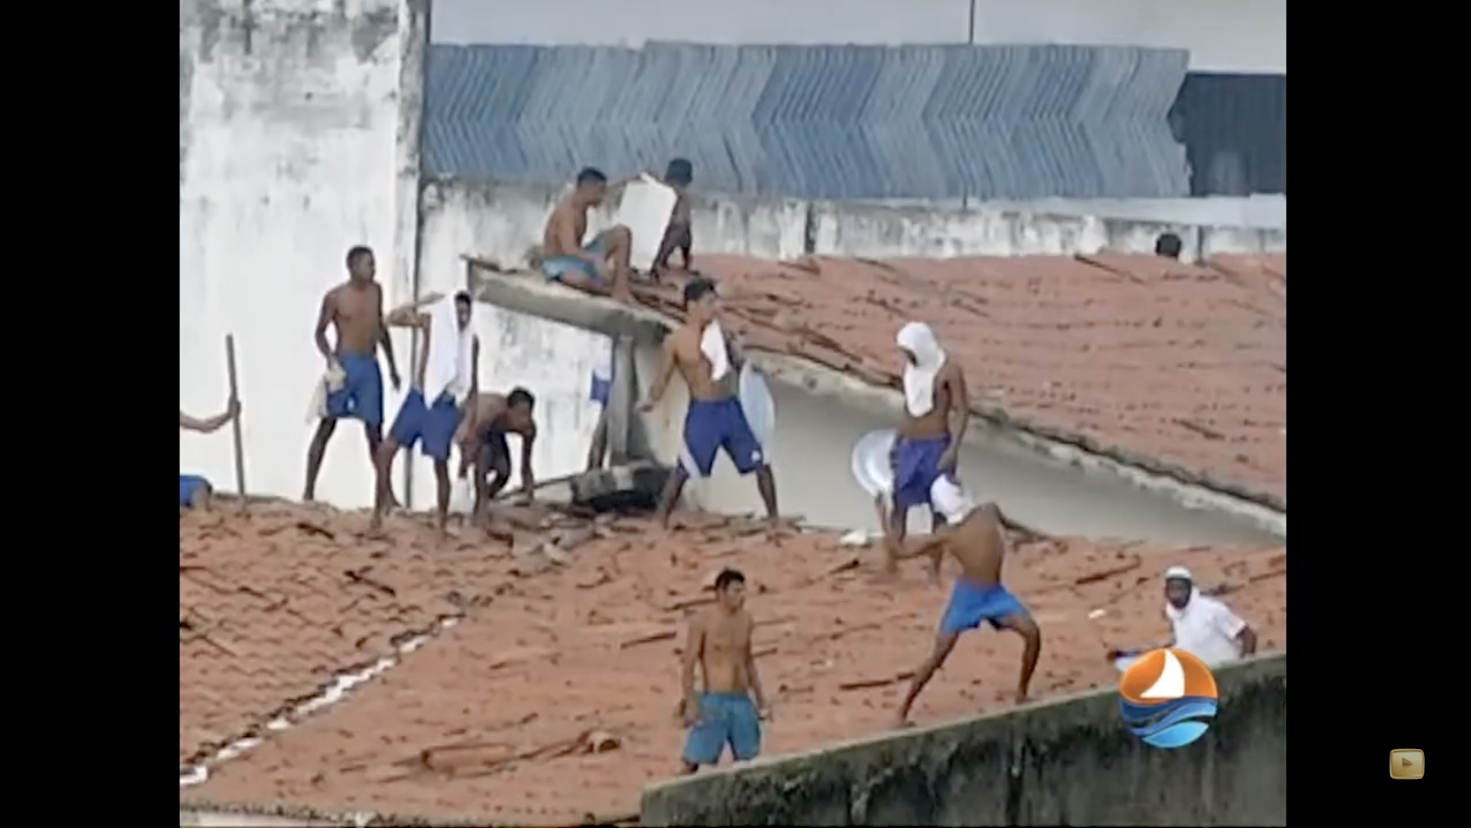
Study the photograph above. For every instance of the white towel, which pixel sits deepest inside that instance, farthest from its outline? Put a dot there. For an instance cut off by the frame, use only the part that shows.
(447, 368)
(919, 377)
(331, 381)
(713, 346)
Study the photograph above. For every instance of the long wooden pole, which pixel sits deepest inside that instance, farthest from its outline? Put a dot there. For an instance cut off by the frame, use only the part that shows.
(235, 424)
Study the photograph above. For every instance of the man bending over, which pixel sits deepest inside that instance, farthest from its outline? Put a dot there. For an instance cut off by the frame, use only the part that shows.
(973, 536)
(483, 446)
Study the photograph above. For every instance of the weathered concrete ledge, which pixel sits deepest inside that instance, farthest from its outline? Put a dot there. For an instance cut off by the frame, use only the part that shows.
(530, 294)
(1066, 763)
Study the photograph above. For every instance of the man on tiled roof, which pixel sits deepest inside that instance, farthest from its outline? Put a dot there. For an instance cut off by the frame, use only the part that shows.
(705, 355)
(599, 266)
(195, 491)
(927, 444)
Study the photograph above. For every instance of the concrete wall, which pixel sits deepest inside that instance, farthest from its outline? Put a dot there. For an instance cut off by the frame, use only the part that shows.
(501, 220)
(1067, 764)
(298, 137)
(1247, 36)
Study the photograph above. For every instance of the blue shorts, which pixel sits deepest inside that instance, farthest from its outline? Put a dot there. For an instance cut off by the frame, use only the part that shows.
(555, 266)
(598, 390)
(432, 426)
(188, 486)
(361, 395)
(713, 425)
(916, 467)
(725, 719)
(971, 605)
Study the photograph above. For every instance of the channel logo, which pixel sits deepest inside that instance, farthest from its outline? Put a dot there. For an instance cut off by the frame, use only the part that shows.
(1167, 698)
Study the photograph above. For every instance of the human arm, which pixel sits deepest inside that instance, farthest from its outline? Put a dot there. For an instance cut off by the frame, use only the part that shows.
(387, 344)
(753, 678)
(662, 376)
(528, 480)
(208, 425)
(324, 319)
(409, 316)
(694, 648)
(1235, 628)
(961, 410)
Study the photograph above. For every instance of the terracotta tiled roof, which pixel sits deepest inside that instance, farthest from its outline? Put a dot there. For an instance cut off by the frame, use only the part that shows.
(1177, 368)
(498, 718)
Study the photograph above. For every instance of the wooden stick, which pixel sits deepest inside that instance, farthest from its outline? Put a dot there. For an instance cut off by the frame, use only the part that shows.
(235, 424)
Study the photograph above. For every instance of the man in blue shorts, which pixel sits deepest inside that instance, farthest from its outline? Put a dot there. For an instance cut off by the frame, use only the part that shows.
(926, 446)
(973, 536)
(707, 358)
(195, 491)
(599, 266)
(600, 384)
(429, 416)
(730, 710)
(355, 310)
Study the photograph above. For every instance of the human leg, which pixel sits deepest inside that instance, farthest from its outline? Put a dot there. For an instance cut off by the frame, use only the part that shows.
(315, 452)
(436, 440)
(944, 643)
(746, 452)
(194, 492)
(707, 736)
(1032, 647)
(407, 429)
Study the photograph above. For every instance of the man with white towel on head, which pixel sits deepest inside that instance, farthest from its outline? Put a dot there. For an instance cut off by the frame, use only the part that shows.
(973, 535)
(709, 361)
(926, 445)
(446, 374)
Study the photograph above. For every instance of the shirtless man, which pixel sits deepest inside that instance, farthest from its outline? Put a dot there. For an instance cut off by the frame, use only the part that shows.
(677, 237)
(720, 641)
(355, 309)
(926, 445)
(195, 491)
(431, 424)
(973, 536)
(714, 420)
(489, 417)
(564, 256)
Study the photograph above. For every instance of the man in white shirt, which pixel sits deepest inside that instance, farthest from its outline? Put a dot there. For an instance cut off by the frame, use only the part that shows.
(1205, 627)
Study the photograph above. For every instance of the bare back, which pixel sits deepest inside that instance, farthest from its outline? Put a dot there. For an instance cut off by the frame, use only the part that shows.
(695, 367)
(725, 650)
(979, 546)
(937, 422)
(356, 313)
(565, 230)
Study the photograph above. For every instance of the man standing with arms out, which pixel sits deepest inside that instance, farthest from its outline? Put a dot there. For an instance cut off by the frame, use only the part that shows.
(355, 309)
(489, 417)
(429, 416)
(705, 357)
(1202, 625)
(195, 491)
(599, 263)
(973, 535)
(720, 641)
(677, 237)
(926, 447)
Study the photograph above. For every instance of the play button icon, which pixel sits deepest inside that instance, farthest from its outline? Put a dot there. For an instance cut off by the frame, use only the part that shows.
(1407, 764)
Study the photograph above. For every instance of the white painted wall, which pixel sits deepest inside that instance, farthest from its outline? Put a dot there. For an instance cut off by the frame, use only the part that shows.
(298, 139)
(501, 220)
(1222, 35)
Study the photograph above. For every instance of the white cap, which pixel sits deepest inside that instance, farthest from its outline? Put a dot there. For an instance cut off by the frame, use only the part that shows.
(1177, 572)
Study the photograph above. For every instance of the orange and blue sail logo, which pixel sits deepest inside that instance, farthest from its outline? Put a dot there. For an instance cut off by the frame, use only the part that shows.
(1167, 698)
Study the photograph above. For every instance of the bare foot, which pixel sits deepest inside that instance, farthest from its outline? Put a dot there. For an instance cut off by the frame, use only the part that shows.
(1021, 698)
(902, 722)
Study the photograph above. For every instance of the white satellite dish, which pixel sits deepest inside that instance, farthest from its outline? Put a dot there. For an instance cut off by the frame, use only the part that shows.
(870, 462)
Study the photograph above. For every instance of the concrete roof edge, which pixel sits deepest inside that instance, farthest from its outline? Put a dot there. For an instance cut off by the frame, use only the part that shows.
(523, 292)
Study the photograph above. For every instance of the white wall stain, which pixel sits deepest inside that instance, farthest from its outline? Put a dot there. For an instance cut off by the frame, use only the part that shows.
(295, 125)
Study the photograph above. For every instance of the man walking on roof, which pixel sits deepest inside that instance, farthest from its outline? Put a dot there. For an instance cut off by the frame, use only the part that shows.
(926, 446)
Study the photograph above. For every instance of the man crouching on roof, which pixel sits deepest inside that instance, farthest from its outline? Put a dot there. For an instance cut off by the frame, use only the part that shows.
(704, 355)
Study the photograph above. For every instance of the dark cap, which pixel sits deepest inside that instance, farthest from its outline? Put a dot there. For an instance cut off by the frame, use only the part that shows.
(697, 289)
